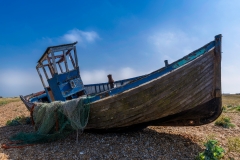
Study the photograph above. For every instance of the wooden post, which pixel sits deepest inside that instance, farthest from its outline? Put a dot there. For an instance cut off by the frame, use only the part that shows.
(65, 60)
(60, 67)
(166, 63)
(45, 72)
(50, 65)
(40, 77)
(217, 65)
(54, 63)
(73, 63)
(111, 81)
(75, 54)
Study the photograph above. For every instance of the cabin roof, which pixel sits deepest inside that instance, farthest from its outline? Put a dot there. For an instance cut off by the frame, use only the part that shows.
(55, 48)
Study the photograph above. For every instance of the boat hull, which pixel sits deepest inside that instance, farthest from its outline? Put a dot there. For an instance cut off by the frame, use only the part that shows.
(187, 96)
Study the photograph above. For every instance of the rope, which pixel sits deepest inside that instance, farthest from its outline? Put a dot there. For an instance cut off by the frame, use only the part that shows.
(57, 121)
(31, 114)
(14, 145)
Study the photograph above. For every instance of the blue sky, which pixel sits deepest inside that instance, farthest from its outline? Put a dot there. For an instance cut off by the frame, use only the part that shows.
(126, 38)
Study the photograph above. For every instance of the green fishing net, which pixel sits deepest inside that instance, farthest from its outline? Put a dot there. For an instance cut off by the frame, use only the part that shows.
(56, 120)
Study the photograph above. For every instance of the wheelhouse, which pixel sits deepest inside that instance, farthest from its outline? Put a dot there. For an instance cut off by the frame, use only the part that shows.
(61, 80)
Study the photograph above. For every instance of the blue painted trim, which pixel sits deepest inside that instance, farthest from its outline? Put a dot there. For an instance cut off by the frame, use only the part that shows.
(61, 87)
(36, 99)
(119, 81)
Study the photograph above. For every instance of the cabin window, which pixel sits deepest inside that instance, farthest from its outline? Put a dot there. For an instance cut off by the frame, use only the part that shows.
(57, 60)
(43, 78)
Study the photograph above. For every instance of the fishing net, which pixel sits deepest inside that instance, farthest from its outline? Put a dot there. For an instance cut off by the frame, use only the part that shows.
(56, 120)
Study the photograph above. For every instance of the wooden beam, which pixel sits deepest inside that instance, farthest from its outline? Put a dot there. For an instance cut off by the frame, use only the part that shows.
(65, 61)
(60, 67)
(41, 77)
(181, 90)
(54, 63)
(62, 58)
(50, 66)
(43, 67)
(75, 54)
(73, 63)
(217, 66)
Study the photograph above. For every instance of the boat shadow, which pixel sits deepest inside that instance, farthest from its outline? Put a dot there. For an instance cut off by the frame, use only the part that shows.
(144, 144)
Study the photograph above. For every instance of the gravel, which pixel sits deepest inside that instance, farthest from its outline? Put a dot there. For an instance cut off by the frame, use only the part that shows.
(165, 143)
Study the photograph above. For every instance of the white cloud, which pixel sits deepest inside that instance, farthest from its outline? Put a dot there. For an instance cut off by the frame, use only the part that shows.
(18, 82)
(100, 76)
(83, 37)
(172, 44)
(80, 36)
(127, 72)
(89, 36)
(95, 76)
(47, 39)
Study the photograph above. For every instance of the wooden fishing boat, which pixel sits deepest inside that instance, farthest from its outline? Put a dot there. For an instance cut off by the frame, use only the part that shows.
(186, 92)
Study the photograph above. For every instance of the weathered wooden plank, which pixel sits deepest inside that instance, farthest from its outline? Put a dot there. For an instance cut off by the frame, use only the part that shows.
(217, 66)
(154, 112)
(75, 55)
(141, 116)
(113, 110)
(45, 72)
(145, 92)
(127, 94)
(65, 61)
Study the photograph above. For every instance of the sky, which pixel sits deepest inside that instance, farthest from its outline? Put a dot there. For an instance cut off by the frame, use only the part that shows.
(126, 38)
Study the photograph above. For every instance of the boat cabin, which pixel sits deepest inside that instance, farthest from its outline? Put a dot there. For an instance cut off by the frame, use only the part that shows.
(61, 80)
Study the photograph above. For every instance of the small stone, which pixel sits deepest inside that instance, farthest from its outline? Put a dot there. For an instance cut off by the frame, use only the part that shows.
(81, 152)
